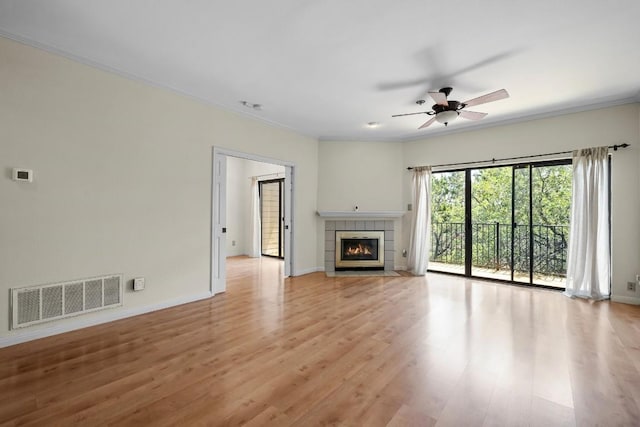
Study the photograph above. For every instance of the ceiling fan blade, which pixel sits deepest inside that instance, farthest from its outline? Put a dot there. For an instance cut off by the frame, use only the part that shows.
(428, 123)
(484, 62)
(472, 115)
(411, 114)
(490, 97)
(403, 85)
(440, 98)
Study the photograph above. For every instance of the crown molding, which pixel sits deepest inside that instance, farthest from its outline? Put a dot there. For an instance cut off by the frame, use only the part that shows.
(605, 103)
(134, 77)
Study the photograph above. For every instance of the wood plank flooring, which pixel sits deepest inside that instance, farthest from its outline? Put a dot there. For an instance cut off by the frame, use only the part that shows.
(344, 351)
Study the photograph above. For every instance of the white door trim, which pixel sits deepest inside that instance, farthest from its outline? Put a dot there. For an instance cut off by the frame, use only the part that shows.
(289, 193)
(288, 220)
(218, 223)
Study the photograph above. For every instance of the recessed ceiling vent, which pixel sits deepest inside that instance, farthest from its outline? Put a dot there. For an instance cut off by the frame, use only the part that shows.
(37, 304)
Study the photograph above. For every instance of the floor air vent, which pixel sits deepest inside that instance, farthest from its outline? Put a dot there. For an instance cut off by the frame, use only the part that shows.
(36, 304)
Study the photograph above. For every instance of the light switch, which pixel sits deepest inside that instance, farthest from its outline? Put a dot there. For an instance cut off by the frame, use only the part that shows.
(138, 284)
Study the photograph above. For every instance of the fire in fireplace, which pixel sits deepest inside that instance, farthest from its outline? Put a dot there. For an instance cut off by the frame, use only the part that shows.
(359, 249)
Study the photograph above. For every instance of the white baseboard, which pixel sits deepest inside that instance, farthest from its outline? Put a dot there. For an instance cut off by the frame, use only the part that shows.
(317, 269)
(308, 271)
(24, 335)
(625, 300)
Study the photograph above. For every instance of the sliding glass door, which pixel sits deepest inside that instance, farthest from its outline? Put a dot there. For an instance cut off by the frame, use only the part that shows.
(491, 208)
(448, 242)
(505, 222)
(521, 224)
(550, 214)
(272, 217)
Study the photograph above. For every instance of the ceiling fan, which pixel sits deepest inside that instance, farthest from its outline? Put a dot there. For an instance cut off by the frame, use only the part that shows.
(445, 111)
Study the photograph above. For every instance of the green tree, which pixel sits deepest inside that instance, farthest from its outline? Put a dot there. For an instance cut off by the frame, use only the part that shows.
(491, 195)
(447, 217)
(447, 197)
(491, 214)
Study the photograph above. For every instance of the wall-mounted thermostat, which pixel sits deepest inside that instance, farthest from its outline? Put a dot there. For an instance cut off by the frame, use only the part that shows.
(22, 175)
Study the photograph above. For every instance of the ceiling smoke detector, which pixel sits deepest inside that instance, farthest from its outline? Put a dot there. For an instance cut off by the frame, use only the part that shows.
(251, 105)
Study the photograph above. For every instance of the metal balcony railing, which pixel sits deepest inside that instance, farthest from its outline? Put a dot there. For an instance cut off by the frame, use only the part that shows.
(492, 247)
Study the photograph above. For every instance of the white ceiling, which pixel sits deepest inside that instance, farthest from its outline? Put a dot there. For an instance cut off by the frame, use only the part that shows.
(325, 68)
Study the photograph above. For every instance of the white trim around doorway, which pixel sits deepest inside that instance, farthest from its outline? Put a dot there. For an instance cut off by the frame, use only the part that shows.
(289, 189)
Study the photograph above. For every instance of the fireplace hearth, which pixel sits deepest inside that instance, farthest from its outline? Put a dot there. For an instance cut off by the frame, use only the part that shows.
(359, 250)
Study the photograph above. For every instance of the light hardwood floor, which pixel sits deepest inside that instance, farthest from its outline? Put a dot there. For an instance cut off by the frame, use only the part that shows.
(313, 350)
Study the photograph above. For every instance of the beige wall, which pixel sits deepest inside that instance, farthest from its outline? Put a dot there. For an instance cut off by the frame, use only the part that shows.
(338, 162)
(608, 126)
(366, 174)
(122, 180)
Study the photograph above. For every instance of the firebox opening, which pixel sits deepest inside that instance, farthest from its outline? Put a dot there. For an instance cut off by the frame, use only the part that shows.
(359, 250)
(359, 268)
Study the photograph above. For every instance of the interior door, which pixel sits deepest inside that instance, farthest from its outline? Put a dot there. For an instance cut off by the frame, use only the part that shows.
(219, 226)
(288, 219)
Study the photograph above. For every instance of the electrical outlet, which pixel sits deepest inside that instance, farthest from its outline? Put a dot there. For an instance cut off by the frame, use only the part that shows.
(631, 286)
(233, 243)
(404, 253)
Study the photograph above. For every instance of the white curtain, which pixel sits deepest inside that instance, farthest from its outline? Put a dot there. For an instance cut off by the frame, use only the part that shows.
(255, 249)
(419, 244)
(588, 258)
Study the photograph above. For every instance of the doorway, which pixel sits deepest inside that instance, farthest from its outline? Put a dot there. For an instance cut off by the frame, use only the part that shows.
(219, 227)
(272, 217)
(503, 222)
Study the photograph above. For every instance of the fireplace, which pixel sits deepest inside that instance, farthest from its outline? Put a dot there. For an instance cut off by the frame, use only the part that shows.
(359, 250)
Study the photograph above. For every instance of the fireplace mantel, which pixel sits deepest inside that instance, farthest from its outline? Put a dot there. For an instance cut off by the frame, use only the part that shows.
(361, 214)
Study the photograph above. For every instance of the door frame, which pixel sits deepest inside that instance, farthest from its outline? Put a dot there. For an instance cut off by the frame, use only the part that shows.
(530, 165)
(218, 181)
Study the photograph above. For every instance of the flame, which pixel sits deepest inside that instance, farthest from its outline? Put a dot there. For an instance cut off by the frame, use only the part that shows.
(358, 250)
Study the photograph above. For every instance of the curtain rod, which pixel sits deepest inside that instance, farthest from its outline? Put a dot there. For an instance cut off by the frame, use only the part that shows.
(615, 148)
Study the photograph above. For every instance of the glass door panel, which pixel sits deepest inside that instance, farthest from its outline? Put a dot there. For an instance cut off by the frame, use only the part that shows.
(551, 209)
(271, 203)
(448, 222)
(491, 190)
(521, 225)
(503, 222)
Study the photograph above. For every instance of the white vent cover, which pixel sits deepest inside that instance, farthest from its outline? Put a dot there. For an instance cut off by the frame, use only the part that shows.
(36, 304)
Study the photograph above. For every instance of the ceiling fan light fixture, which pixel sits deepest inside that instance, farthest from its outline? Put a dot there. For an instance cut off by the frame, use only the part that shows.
(447, 116)
(445, 111)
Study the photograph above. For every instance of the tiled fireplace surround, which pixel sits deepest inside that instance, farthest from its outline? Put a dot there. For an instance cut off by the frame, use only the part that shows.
(331, 226)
